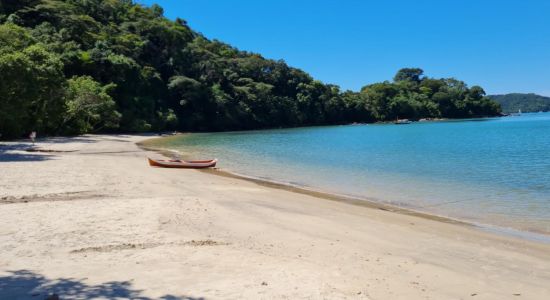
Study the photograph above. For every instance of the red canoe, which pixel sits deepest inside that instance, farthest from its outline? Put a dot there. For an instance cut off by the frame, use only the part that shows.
(176, 163)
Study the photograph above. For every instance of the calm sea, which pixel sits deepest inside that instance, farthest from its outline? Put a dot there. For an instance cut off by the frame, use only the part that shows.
(486, 171)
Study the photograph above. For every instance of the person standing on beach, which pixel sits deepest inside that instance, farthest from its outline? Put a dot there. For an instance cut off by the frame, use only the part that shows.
(32, 136)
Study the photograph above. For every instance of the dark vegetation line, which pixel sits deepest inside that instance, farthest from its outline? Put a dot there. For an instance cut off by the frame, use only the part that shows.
(78, 66)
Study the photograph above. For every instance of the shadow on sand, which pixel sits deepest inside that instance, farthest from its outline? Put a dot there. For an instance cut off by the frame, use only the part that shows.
(90, 138)
(7, 154)
(11, 157)
(24, 284)
(12, 151)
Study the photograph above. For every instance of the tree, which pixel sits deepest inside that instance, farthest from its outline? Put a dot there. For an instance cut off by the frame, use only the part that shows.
(476, 92)
(63, 63)
(511, 103)
(409, 74)
(31, 84)
(89, 107)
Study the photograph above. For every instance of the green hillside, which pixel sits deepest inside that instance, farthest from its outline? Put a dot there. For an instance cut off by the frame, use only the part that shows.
(77, 66)
(511, 103)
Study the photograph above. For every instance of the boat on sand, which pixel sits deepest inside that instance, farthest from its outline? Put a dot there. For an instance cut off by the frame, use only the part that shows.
(186, 164)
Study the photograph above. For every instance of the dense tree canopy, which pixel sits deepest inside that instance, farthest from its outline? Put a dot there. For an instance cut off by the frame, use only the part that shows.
(76, 66)
(511, 103)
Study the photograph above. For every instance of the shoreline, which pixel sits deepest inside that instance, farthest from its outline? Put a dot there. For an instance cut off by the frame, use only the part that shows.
(528, 235)
(363, 202)
(98, 221)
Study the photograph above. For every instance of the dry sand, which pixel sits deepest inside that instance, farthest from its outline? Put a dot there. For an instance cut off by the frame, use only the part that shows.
(100, 223)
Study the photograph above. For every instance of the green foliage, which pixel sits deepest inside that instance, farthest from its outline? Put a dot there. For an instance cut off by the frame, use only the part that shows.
(409, 74)
(31, 84)
(89, 107)
(69, 66)
(413, 96)
(511, 103)
(14, 38)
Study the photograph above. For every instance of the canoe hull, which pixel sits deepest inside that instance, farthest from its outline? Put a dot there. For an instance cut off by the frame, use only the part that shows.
(183, 164)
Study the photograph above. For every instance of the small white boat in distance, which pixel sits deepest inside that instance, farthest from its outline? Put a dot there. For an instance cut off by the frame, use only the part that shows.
(516, 114)
(402, 121)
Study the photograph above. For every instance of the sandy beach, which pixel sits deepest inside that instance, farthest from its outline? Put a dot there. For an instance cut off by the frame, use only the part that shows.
(93, 220)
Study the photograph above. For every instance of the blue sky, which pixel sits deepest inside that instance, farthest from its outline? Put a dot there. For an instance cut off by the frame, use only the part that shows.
(504, 45)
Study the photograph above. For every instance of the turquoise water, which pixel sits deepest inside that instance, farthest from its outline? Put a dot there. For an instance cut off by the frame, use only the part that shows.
(487, 171)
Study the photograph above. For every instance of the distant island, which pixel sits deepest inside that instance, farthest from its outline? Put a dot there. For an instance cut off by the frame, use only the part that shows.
(515, 102)
(118, 66)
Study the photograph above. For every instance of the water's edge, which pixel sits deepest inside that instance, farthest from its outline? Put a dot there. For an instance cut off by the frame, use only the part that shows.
(346, 199)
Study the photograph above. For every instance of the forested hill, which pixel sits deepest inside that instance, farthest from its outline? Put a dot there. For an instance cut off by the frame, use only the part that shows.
(525, 102)
(77, 66)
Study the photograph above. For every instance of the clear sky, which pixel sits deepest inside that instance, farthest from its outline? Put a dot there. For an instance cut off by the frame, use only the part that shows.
(502, 45)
